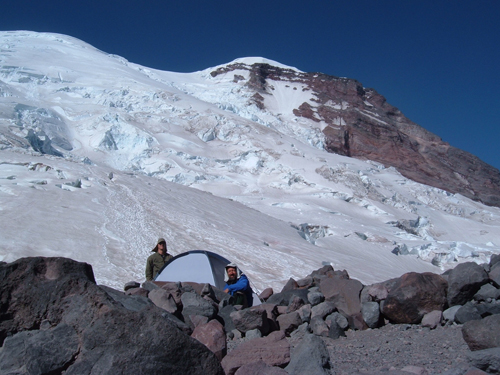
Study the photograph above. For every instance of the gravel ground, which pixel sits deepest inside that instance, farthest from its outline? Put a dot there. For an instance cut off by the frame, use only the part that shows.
(395, 347)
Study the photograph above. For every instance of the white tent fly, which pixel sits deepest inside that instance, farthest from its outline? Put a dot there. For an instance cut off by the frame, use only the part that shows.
(199, 266)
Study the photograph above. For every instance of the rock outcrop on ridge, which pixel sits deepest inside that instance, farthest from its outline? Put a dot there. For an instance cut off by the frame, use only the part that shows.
(55, 319)
(361, 124)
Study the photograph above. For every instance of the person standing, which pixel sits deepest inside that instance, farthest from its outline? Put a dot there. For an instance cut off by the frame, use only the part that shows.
(157, 260)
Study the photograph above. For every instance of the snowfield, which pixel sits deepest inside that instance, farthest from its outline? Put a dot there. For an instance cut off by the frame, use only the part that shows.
(99, 157)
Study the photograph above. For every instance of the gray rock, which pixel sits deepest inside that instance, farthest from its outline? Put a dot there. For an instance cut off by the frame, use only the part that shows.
(247, 319)
(299, 333)
(487, 292)
(283, 299)
(98, 320)
(149, 285)
(489, 308)
(132, 303)
(295, 303)
(464, 281)
(482, 334)
(253, 334)
(449, 314)
(137, 292)
(315, 298)
(340, 319)
(318, 327)
(466, 313)
(305, 313)
(309, 357)
(225, 314)
(130, 285)
(432, 319)
(494, 274)
(335, 331)
(193, 304)
(323, 309)
(487, 360)
(39, 352)
(495, 258)
(371, 314)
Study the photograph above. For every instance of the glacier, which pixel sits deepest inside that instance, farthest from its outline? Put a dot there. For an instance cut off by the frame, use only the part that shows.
(100, 156)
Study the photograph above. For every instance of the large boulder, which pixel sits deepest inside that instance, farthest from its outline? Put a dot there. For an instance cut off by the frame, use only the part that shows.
(487, 360)
(494, 274)
(194, 304)
(344, 293)
(413, 295)
(482, 334)
(56, 319)
(309, 357)
(273, 350)
(464, 281)
(212, 335)
(249, 319)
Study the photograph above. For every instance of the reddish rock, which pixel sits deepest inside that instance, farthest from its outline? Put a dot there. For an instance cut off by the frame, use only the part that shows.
(271, 314)
(266, 293)
(413, 295)
(212, 335)
(344, 293)
(290, 285)
(273, 350)
(289, 322)
(163, 299)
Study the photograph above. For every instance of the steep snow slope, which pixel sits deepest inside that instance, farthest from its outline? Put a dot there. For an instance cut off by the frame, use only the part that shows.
(117, 135)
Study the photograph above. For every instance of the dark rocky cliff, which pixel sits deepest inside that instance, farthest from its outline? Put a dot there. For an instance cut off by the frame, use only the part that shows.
(361, 124)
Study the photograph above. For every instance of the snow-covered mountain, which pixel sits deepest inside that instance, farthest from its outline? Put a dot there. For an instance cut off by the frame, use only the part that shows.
(100, 156)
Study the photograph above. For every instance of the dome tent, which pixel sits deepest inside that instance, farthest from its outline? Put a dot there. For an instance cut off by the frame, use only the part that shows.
(199, 266)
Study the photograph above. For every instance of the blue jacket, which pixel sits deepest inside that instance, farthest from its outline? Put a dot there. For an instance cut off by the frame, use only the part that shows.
(241, 285)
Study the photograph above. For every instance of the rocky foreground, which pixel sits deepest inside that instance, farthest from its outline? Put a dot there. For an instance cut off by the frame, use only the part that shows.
(54, 319)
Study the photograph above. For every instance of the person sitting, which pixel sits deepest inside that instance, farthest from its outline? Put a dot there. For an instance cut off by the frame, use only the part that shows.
(238, 286)
(157, 260)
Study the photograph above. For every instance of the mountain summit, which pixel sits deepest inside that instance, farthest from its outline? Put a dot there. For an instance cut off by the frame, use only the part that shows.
(286, 170)
(358, 122)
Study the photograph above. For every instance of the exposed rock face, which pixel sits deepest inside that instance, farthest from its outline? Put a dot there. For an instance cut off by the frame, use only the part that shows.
(361, 124)
(55, 319)
(415, 295)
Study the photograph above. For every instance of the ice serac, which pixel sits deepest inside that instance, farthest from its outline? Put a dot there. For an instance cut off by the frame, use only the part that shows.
(358, 122)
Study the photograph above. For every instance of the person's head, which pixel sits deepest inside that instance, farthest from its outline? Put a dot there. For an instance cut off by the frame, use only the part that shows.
(161, 246)
(232, 272)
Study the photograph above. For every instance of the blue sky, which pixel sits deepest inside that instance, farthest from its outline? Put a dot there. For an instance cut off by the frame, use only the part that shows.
(437, 61)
